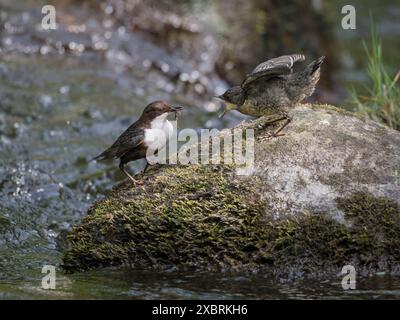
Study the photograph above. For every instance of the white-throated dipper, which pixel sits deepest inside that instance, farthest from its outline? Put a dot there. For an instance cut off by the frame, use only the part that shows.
(134, 142)
(272, 88)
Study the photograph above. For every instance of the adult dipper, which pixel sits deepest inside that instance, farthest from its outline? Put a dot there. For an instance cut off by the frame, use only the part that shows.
(146, 136)
(272, 88)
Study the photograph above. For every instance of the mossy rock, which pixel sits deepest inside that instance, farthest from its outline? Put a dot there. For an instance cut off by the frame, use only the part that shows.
(318, 198)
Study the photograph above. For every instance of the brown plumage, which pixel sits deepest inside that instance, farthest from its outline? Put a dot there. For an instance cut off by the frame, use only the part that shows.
(272, 88)
(134, 142)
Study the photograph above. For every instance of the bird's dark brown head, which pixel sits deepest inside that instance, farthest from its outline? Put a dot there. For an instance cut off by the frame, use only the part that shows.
(158, 108)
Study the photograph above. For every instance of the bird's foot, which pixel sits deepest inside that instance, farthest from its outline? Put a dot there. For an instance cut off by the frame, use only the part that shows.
(278, 132)
(265, 121)
(270, 136)
(135, 182)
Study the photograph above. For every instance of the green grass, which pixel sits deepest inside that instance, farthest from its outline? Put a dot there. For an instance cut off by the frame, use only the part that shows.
(382, 99)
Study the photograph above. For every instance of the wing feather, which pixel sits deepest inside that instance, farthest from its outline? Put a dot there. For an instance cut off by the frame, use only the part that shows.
(272, 68)
(130, 138)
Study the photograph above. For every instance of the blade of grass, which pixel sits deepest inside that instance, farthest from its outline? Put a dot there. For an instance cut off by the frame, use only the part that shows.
(382, 102)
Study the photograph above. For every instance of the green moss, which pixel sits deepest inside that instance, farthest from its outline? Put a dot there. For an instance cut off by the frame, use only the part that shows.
(190, 216)
(313, 242)
(375, 230)
(205, 217)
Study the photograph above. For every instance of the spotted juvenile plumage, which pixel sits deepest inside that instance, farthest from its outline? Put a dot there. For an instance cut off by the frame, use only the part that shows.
(272, 88)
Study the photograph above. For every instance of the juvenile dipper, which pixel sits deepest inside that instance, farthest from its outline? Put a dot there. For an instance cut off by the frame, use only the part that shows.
(273, 89)
(135, 142)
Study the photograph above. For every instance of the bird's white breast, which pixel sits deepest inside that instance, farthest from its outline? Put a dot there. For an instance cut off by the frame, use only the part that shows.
(159, 132)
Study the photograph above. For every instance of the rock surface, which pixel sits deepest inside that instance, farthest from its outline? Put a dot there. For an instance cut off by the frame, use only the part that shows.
(324, 195)
(326, 154)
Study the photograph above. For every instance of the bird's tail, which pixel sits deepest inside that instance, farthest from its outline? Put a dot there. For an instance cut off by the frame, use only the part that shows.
(100, 157)
(108, 154)
(315, 65)
(309, 77)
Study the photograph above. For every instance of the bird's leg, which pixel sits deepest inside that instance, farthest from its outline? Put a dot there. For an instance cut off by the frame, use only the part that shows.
(276, 133)
(270, 121)
(145, 168)
(121, 166)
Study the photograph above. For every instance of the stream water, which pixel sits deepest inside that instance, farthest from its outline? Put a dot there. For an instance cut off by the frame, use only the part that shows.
(140, 284)
(60, 105)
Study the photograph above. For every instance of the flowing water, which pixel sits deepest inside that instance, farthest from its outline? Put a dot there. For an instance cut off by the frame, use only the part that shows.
(140, 284)
(63, 98)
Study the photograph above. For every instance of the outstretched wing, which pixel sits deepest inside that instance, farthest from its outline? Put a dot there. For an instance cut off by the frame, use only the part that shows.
(272, 68)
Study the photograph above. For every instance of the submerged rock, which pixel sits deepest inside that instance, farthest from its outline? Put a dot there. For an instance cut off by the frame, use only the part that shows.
(323, 196)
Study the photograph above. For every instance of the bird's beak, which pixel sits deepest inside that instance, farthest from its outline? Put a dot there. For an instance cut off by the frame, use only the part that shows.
(220, 97)
(223, 112)
(175, 108)
(228, 107)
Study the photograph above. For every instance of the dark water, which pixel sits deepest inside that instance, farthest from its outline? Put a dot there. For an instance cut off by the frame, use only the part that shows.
(60, 105)
(139, 284)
